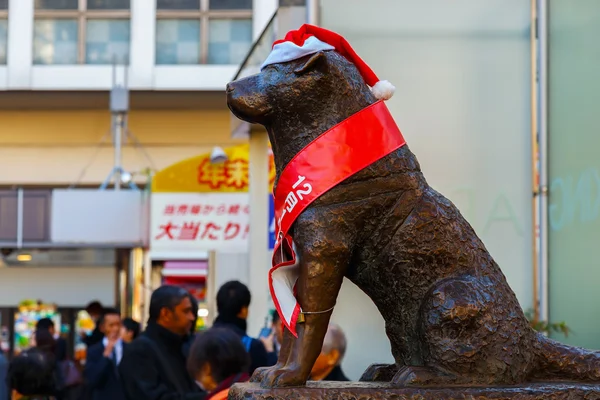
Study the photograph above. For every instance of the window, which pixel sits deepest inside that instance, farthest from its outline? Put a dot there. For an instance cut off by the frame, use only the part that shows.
(81, 32)
(3, 30)
(203, 31)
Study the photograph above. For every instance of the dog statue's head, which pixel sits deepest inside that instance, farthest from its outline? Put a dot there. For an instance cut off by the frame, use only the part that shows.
(311, 81)
(314, 89)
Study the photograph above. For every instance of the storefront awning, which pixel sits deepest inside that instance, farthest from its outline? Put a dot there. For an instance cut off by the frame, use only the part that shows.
(185, 268)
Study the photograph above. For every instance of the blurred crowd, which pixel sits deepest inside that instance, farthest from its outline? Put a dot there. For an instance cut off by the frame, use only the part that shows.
(169, 360)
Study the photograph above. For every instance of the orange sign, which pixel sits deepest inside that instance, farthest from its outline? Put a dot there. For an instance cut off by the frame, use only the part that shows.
(199, 175)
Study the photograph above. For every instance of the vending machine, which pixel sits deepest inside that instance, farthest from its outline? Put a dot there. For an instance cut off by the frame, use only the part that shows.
(26, 316)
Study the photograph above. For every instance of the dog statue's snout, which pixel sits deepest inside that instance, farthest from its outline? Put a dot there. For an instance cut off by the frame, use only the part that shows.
(229, 88)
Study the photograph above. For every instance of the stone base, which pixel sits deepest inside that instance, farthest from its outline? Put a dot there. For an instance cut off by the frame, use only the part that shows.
(383, 391)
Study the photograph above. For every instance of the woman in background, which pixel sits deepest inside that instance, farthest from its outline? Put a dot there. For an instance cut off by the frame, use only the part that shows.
(67, 378)
(217, 360)
(31, 376)
(130, 330)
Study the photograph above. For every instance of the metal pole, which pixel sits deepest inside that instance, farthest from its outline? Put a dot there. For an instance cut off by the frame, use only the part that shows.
(534, 158)
(147, 287)
(211, 287)
(118, 128)
(542, 13)
(19, 218)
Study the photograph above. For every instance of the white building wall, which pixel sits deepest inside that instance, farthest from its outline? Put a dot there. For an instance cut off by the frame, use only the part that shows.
(67, 287)
(20, 31)
(462, 76)
(262, 12)
(20, 74)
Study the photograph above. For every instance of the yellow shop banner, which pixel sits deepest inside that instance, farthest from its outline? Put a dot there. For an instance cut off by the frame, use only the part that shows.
(199, 175)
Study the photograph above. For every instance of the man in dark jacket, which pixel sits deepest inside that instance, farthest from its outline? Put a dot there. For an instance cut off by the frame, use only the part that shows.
(154, 364)
(4, 392)
(233, 300)
(103, 359)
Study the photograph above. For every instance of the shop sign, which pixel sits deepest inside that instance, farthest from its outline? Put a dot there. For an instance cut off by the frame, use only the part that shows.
(199, 175)
(200, 221)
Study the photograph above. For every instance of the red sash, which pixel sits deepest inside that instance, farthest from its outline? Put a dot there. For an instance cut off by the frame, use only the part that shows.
(334, 156)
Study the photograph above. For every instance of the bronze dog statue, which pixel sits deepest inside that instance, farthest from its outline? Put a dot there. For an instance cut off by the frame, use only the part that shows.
(450, 314)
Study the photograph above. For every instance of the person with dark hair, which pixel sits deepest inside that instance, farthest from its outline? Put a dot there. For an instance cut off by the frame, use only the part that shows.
(154, 364)
(192, 335)
(61, 343)
(31, 374)
(130, 330)
(4, 392)
(44, 341)
(95, 311)
(103, 358)
(67, 377)
(233, 300)
(195, 308)
(217, 360)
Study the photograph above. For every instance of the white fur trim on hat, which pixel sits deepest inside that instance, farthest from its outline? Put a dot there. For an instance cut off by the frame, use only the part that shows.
(288, 51)
(383, 90)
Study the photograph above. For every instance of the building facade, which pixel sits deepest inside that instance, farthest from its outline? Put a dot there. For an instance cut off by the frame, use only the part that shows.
(64, 241)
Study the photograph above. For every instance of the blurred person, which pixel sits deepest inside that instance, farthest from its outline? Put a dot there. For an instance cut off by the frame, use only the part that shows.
(4, 392)
(217, 360)
(45, 342)
(328, 364)
(233, 300)
(94, 310)
(154, 365)
(61, 343)
(67, 378)
(277, 327)
(31, 375)
(192, 334)
(130, 330)
(103, 358)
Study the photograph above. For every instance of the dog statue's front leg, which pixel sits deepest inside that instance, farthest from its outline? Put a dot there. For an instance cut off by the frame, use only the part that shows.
(323, 260)
(284, 353)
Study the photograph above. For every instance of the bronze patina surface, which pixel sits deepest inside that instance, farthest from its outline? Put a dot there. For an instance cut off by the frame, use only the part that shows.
(450, 314)
(382, 391)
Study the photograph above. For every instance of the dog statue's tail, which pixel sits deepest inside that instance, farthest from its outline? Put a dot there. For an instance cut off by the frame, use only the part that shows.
(560, 361)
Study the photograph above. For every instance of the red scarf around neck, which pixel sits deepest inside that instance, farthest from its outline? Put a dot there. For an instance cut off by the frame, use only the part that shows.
(334, 156)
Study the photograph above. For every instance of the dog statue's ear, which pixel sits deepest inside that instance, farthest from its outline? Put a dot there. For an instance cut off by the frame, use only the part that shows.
(311, 64)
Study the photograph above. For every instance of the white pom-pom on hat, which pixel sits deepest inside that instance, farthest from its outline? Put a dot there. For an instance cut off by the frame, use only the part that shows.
(310, 39)
(383, 90)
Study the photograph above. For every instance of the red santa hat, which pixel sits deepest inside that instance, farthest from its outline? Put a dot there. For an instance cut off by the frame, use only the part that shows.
(310, 39)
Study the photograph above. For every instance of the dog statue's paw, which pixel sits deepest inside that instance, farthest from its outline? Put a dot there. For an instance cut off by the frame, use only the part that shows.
(287, 378)
(270, 376)
(379, 373)
(259, 373)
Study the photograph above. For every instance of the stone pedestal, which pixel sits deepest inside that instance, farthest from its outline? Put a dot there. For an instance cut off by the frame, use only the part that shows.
(382, 391)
